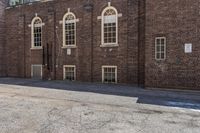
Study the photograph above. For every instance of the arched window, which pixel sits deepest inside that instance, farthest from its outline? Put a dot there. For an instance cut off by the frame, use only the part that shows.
(69, 29)
(109, 26)
(36, 28)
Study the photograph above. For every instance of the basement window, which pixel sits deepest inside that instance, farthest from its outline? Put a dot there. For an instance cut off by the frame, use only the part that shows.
(69, 72)
(160, 48)
(109, 74)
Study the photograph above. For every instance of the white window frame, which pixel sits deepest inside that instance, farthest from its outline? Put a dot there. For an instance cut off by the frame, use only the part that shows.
(107, 66)
(40, 65)
(32, 33)
(103, 44)
(64, 32)
(165, 43)
(64, 76)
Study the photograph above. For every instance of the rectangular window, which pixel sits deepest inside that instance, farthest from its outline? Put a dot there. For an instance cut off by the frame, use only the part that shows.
(69, 72)
(160, 48)
(37, 36)
(109, 27)
(110, 33)
(70, 34)
(109, 74)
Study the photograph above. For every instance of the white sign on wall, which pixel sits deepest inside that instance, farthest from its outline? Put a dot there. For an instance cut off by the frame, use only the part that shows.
(188, 48)
(68, 51)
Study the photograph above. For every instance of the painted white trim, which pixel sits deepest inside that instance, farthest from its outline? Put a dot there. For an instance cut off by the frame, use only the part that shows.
(61, 21)
(100, 17)
(119, 15)
(165, 43)
(107, 66)
(64, 32)
(109, 45)
(37, 48)
(74, 66)
(45, 0)
(8, 8)
(102, 25)
(37, 65)
(69, 47)
(32, 32)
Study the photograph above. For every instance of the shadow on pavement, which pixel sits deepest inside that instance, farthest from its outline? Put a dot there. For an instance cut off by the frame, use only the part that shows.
(153, 97)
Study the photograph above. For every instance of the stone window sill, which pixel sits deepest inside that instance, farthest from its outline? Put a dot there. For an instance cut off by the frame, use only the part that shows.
(69, 47)
(36, 48)
(109, 45)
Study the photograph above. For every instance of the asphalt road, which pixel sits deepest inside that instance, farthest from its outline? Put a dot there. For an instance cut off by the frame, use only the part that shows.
(30, 106)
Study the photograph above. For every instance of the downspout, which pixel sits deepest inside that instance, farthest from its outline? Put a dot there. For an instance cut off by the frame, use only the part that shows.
(54, 58)
(6, 3)
(89, 8)
(144, 83)
(24, 39)
(139, 43)
(43, 56)
(48, 67)
(92, 47)
(127, 52)
(24, 17)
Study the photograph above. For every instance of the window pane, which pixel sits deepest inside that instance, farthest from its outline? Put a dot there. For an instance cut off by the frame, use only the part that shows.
(70, 73)
(109, 75)
(160, 48)
(158, 41)
(110, 29)
(70, 30)
(162, 41)
(158, 56)
(162, 55)
(37, 36)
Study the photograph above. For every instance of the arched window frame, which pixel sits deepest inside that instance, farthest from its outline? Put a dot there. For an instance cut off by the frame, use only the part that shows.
(64, 29)
(32, 32)
(102, 26)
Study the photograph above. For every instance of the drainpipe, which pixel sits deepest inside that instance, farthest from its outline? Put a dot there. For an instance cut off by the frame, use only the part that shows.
(51, 46)
(141, 43)
(43, 55)
(24, 17)
(54, 49)
(48, 67)
(89, 8)
(139, 32)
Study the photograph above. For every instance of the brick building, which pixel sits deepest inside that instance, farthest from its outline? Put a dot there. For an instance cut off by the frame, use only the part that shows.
(178, 22)
(150, 43)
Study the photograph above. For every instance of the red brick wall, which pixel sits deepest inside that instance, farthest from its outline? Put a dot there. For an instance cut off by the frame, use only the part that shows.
(88, 56)
(2, 37)
(178, 21)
